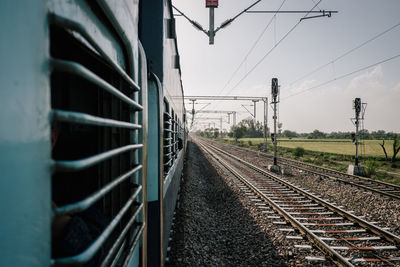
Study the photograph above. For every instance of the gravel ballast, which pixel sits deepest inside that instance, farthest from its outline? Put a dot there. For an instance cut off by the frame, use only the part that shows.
(375, 207)
(216, 225)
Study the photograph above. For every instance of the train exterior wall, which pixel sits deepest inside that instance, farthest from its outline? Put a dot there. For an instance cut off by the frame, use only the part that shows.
(161, 49)
(24, 135)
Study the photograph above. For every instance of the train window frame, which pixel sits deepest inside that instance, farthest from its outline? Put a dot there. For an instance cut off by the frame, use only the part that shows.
(106, 118)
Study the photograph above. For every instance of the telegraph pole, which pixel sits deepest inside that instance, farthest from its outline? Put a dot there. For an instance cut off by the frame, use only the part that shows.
(255, 101)
(265, 123)
(275, 100)
(359, 109)
(275, 92)
(211, 4)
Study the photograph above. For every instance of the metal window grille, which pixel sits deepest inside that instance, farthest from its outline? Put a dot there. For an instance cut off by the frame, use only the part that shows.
(168, 139)
(93, 103)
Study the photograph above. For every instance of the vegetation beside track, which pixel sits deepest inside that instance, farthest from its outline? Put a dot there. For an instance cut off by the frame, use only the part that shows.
(335, 154)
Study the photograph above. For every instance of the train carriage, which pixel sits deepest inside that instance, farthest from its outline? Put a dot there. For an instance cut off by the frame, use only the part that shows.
(92, 134)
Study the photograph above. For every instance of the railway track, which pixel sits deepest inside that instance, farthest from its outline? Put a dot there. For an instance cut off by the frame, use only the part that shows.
(346, 239)
(379, 187)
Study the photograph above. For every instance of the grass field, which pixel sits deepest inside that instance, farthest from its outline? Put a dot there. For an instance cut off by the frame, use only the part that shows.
(335, 154)
(337, 146)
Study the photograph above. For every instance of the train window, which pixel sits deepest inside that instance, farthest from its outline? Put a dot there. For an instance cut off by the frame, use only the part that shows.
(176, 150)
(93, 186)
(168, 139)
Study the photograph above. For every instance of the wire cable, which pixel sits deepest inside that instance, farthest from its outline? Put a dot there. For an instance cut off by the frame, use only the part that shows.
(229, 21)
(346, 53)
(251, 49)
(342, 76)
(272, 49)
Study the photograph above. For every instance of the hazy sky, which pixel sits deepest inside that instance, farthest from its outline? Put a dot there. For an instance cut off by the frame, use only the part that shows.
(327, 106)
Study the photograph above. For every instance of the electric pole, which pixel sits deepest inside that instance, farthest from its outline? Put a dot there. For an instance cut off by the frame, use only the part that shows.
(255, 101)
(265, 123)
(359, 109)
(211, 4)
(275, 100)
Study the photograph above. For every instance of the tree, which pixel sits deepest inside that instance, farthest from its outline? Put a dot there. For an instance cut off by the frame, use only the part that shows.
(289, 134)
(216, 133)
(238, 131)
(396, 147)
(384, 149)
(317, 134)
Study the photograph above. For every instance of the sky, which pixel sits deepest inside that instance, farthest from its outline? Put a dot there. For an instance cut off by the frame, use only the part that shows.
(356, 50)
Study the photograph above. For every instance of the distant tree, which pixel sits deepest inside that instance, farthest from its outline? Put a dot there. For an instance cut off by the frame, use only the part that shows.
(238, 132)
(384, 149)
(317, 134)
(289, 134)
(216, 133)
(396, 147)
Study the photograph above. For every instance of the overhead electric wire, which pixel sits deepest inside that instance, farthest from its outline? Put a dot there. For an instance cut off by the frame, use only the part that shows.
(252, 48)
(342, 76)
(229, 21)
(346, 53)
(194, 23)
(317, 5)
(272, 49)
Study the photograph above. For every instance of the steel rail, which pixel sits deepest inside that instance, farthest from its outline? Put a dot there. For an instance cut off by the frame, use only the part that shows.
(375, 229)
(344, 181)
(336, 257)
(282, 160)
(343, 174)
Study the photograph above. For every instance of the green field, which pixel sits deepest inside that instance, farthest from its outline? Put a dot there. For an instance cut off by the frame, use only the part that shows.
(337, 146)
(336, 154)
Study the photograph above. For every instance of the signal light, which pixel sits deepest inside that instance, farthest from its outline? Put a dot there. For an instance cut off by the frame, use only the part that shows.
(211, 3)
(274, 87)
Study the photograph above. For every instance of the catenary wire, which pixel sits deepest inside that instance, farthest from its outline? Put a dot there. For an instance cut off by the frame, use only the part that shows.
(342, 76)
(251, 49)
(346, 53)
(270, 51)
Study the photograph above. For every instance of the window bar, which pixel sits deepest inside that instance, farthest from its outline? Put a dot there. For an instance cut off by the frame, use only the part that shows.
(74, 26)
(120, 238)
(86, 255)
(135, 241)
(83, 118)
(87, 202)
(79, 70)
(76, 165)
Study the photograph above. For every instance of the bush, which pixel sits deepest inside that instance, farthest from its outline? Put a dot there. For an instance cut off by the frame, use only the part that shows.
(298, 152)
(370, 167)
(250, 143)
(318, 161)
